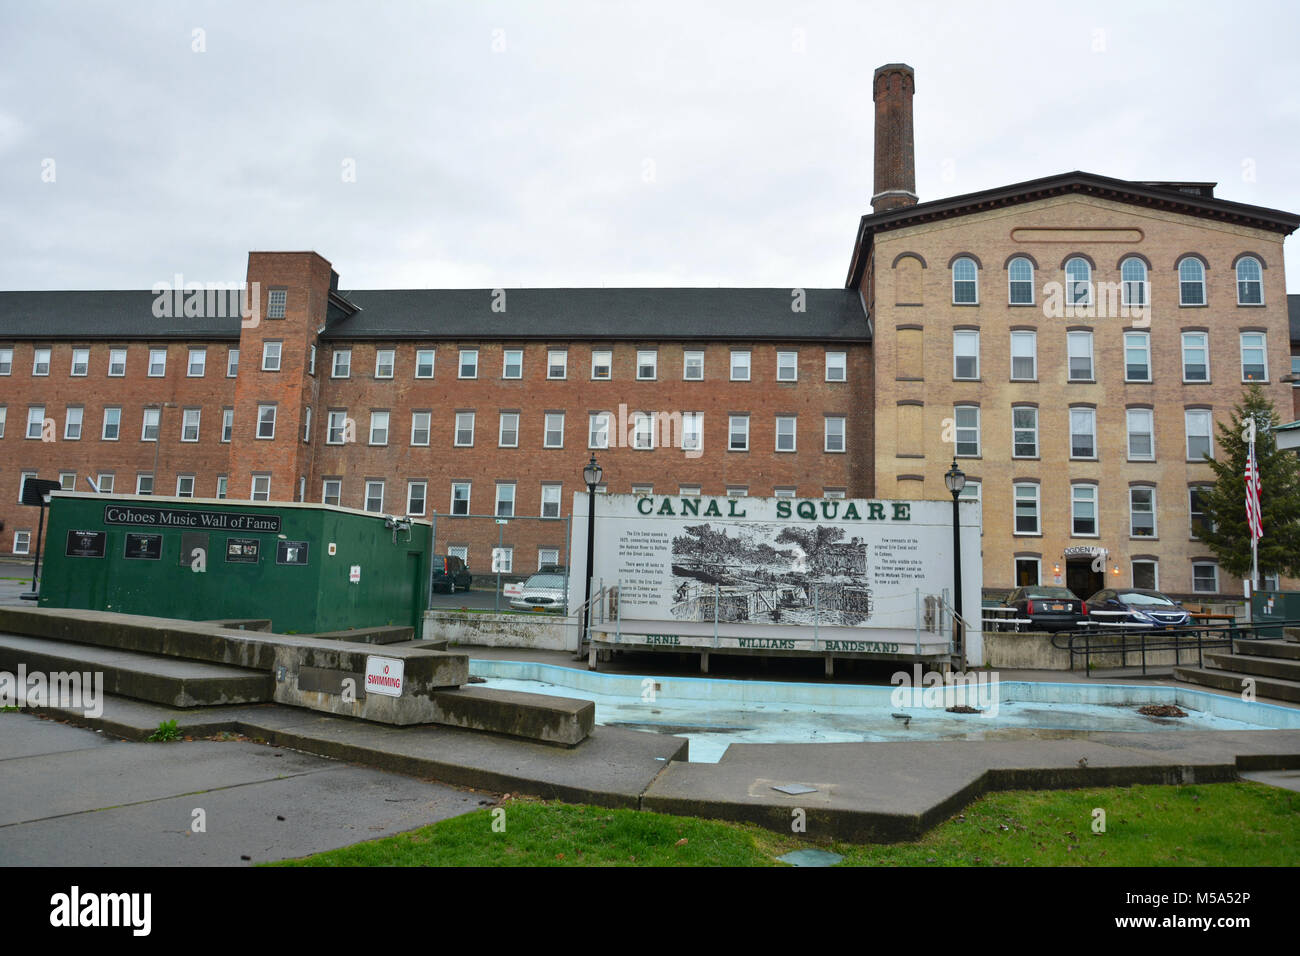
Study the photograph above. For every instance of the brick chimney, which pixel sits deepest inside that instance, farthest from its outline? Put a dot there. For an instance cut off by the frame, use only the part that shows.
(895, 164)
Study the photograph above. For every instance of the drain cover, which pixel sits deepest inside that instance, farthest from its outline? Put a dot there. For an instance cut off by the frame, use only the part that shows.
(811, 858)
(794, 789)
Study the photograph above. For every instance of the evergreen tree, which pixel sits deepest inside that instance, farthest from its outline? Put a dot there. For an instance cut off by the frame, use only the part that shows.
(1226, 531)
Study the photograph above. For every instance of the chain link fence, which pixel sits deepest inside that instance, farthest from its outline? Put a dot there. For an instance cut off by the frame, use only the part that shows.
(481, 563)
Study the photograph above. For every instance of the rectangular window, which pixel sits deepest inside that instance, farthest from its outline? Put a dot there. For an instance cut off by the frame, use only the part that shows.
(966, 425)
(557, 363)
(1024, 428)
(149, 424)
(421, 422)
(1253, 352)
(80, 362)
(112, 423)
(692, 431)
(693, 366)
(6, 361)
(966, 354)
(331, 491)
(271, 356)
(1026, 497)
(1196, 510)
(265, 421)
(1024, 356)
(551, 501)
(385, 360)
(1205, 578)
(41, 362)
(144, 484)
(67, 481)
(1137, 357)
(22, 542)
(834, 433)
(157, 363)
(22, 482)
(787, 366)
(1199, 443)
(1145, 575)
(1142, 512)
(688, 491)
(738, 433)
(227, 424)
(198, 363)
(547, 556)
(190, 424)
(104, 482)
(424, 363)
(602, 364)
(512, 363)
(116, 363)
(1196, 361)
(554, 437)
(739, 366)
(35, 420)
(785, 433)
(598, 430)
(464, 429)
(311, 360)
(336, 432)
(71, 424)
(468, 363)
(306, 424)
(379, 428)
(342, 367)
(232, 363)
(375, 496)
(647, 365)
(1141, 440)
(223, 484)
(1083, 433)
(184, 486)
(275, 303)
(460, 498)
(1079, 345)
(643, 431)
(505, 500)
(1083, 510)
(415, 495)
(508, 430)
(4, 414)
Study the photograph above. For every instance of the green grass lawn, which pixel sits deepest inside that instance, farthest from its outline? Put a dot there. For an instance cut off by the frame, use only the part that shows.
(1229, 824)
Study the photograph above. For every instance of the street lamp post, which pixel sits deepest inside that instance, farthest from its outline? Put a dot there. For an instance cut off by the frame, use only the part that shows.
(591, 475)
(955, 479)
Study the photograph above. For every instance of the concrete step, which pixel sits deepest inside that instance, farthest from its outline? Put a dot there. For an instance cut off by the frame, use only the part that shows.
(1291, 634)
(1267, 649)
(1278, 667)
(1265, 687)
(159, 680)
(369, 635)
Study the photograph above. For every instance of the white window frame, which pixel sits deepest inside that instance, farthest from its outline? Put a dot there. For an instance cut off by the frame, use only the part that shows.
(84, 363)
(38, 363)
(262, 421)
(117, 423)
(7, 362)
(547, 430)
(1016, 499)
(552, 496)
(1207, 416)
(542, 555)
(793, 423)
(1071, 337)
(1012, 281)
(1129, 432)
(467, 359)
(1155, 530)
(68, 422)
(155, 356)
(741, 361)
(692, 431)
(1259, 282)
(688, 358)
(22, 542)
(787, 362)
(643, 431)
(462, 417)
(973, 280)
(272, 355)
(1144, 339)
(232, 363)
(732, 431)
(146, 424)
(1074, 295)
(104, 481)
(336, 423)
(1198, 268)
(606, 363)
(1205, 564)
(1090, 415)
(180, 479)
(468, 486)
(1129, 286)
(368, 496)
(341, 363)
(958, 428)
(506, 363)
(306, 424)
(411, 485)
(832, 431)
(325, 495)
(557, 364)
(420, 362)
(501, 430)
(117, 359)
(35, 416)
(416, 426)
(1075, 501)
(380, 364)
(276, 300)
(1203, 348)
(598, 426)
(960, 336)
(1022, 336)
(505, 499)
(227, 425)
(647, 359)
(1155, 572)
(202, 356)
(191, 418)
(837, 362)
(261, 488)
(1015, 453)
(140, 479)
(380, 419)
(1262, 347)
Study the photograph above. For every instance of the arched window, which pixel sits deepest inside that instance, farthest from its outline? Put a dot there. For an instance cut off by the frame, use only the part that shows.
(1133, 273)
(1191, 282)
(1020, 276)
(1250, 284)
(965, 282)
(1078, 282)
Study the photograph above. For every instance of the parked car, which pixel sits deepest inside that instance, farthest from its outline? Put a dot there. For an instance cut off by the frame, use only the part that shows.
(552, 569)
(450, 574)
(1143, 607)
(1047, 608)
(542, 592)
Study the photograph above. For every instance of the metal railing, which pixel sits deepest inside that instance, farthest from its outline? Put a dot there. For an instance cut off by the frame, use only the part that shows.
(1142, 641)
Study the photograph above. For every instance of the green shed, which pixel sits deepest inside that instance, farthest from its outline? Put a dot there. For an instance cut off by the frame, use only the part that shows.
(308, 568)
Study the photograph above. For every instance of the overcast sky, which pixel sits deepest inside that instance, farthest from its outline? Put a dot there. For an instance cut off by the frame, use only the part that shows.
(482, 144)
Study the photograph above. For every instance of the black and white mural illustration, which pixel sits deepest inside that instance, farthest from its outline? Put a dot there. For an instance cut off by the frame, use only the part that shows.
(770, 574)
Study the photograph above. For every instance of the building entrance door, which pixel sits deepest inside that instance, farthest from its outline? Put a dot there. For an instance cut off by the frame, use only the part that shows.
(1082, 579)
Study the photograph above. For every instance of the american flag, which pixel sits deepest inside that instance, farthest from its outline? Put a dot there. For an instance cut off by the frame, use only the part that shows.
(1253, 516)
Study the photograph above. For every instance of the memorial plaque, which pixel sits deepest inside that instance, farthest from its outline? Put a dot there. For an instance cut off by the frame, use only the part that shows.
(291, 552)
(86, 544)
(147, 547)
(242, 550)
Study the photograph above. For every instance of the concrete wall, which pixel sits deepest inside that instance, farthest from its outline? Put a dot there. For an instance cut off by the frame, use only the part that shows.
(1034, 651)
(544, 632)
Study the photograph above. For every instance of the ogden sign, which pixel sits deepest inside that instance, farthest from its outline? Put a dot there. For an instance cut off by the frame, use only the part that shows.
(783, 574)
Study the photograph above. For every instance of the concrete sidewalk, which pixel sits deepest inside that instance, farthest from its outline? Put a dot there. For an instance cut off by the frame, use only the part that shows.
(74, 797)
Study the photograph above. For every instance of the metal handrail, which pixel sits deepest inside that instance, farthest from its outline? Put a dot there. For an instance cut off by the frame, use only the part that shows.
(1136, 640)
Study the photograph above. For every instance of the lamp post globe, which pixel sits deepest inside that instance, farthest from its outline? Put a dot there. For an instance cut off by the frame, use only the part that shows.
(591, 475)
(955, 479)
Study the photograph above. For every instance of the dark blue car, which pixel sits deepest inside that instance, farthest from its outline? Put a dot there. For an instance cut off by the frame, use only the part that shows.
(1137, 606)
